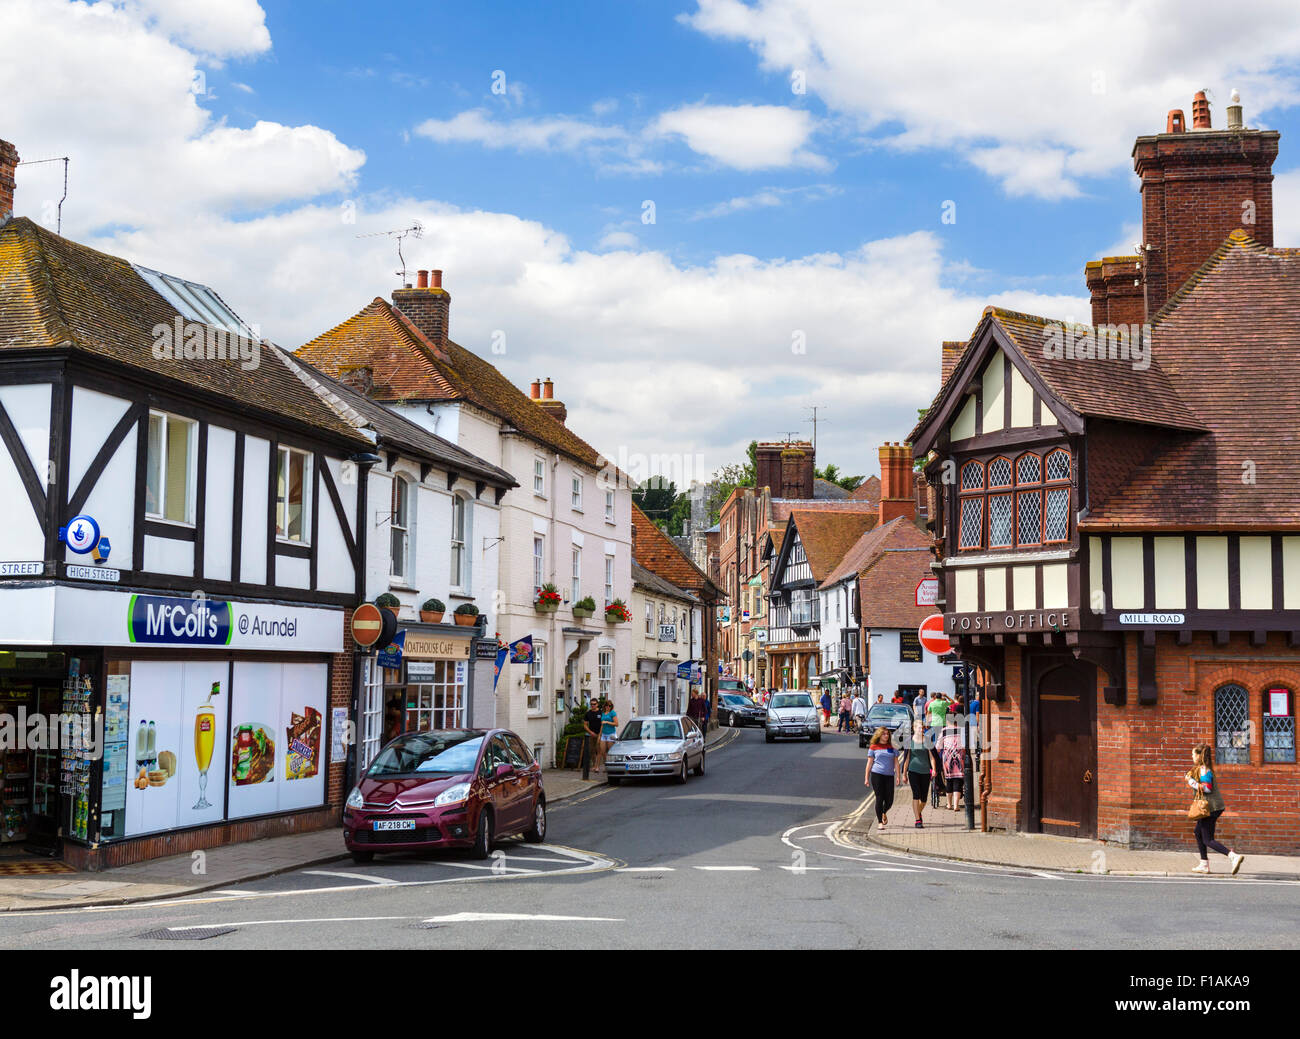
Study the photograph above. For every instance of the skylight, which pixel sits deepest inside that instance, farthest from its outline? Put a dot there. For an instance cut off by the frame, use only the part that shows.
(195, 302)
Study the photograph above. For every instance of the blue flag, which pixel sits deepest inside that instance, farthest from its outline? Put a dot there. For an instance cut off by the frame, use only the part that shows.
(519, 652)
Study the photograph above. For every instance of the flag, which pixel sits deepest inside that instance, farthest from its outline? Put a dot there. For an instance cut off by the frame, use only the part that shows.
(519, 652)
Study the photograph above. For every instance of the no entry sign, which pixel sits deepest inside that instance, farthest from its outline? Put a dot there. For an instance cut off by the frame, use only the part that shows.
(932, 636)
(367, 624)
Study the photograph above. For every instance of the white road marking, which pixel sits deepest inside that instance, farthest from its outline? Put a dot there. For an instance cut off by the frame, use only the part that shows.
(477, 918)
(645, 869)
(728, 869)
(490, 869)
(348, 876)
(292, 920)
(811, 869)
(892, 869)
(1045, 876)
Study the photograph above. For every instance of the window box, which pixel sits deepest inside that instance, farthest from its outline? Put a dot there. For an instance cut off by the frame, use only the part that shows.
(548, 599)
(617, 612)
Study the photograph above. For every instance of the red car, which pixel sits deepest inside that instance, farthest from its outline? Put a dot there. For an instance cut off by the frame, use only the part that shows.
(447, 788)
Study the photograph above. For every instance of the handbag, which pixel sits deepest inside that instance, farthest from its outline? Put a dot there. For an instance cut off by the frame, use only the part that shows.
(1200, 807)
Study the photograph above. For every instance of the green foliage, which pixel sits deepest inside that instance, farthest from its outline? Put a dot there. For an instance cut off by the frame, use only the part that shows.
(728, 478)
(433, 606)
(388, 600)
(831, 473)
(467, 609)
(659, 499)
(587, 603)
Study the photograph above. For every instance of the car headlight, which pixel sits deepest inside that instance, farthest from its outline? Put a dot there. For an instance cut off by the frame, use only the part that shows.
(771, 716)
(355, 800)
(452, 795)
(675, 755)
(613, 755)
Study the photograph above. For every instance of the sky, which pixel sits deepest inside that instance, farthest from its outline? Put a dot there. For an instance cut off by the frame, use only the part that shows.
(700, 218)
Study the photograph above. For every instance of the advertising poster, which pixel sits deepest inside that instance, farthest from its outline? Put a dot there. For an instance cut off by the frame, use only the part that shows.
(177, 712)
(302, 726)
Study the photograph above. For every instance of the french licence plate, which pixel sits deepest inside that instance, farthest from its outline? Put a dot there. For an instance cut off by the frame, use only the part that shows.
(394, 824)
(638, 766)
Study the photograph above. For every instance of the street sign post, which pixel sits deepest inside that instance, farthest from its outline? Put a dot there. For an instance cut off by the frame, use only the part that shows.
(932, 635)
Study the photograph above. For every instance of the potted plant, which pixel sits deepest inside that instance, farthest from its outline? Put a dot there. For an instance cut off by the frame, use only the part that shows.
(388, 601)
(548, 599)
(617, 612)
(431, 611)
(584, 607)
(466, 615)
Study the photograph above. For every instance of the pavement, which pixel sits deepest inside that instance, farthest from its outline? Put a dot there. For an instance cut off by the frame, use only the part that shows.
(944, 835)
(226, 866)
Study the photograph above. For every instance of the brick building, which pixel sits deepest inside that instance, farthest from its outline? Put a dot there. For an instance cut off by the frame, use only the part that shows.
(1118, 531)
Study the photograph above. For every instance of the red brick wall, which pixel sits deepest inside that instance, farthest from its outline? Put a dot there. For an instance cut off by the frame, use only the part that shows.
(1115, 285)
(8, 160)
(1006, 802)
(428, 309)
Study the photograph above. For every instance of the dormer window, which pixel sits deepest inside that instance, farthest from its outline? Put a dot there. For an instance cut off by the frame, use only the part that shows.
(1026, 501)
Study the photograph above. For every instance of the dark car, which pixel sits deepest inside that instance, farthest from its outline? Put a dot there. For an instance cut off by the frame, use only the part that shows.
(891, 716)
(446, 788)
(737, 710)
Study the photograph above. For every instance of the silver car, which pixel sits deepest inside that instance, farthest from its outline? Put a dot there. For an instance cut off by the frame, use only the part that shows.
(793, 715)
(656, 745)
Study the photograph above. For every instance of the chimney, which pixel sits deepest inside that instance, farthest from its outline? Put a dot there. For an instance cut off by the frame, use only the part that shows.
(897, 485)
(549, 404)
(427, 306)
(535, 391)
(1234, 113)
(360, 379)
(1198, 187)
(1115, 285)
(786, 469)
(8, 160)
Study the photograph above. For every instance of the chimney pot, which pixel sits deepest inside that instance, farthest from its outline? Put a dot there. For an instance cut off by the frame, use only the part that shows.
(536, 389)
(437, 279)
(1234, 113)
(1174, 121)
(1200, 111)
(548, 390)
(423, 281)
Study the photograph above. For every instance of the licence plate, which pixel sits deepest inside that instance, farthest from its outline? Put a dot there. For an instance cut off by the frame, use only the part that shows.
(794, 728)
(638, 766)
(394, 824)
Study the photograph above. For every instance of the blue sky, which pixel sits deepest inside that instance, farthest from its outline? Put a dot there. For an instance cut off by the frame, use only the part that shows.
(780, 216)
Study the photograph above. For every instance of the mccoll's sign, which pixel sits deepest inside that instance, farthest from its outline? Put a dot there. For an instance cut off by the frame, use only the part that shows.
(166, 620)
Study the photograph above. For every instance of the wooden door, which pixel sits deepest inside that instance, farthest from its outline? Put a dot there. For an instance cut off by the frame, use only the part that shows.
(1067, 750)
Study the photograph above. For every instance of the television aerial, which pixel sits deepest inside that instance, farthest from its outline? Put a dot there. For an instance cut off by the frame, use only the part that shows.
(416, 230)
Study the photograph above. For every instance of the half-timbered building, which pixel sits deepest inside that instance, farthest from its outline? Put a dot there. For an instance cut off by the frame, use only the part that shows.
(1117, 532)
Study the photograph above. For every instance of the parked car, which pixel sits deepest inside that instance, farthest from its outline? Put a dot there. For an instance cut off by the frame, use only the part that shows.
(891, 716)
(732, 685)
(656, 745)
(793, 715)
(446, 788)
(736, 710)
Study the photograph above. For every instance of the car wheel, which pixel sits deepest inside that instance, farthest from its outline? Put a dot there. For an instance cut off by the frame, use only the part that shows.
(817, 736)
(735, 721)
(538, 832)
(769, 737)
(699, 769)
(362, 857)
(684, 773)
(613, 780)
(483, 839)
(862, 741)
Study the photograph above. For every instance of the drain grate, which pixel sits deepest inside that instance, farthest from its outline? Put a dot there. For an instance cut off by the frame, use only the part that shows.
(185, 934)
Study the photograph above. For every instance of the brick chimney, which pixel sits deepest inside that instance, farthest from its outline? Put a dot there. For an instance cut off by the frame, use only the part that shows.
(1199, 185)
(1115, 285)
(8, 160)
(427, 305)
(549, 404)
(897, 485)
(787, 469)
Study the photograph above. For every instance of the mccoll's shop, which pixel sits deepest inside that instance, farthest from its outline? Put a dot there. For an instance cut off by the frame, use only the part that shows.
(134, 726)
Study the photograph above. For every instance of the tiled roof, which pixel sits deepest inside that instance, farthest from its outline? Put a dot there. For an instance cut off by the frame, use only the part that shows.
(782, 507)
(652, 582)
(395, 430)
(1229, 341)
(887, 588)
(654, 550)
(55, 293)
(949, 354)
(408, 366)
(867, 490)
(825, 490)
(899, 532)
(827, 536)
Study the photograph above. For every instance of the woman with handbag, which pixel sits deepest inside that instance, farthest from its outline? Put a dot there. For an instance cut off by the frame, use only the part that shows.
(1207, 806)
(882, 762)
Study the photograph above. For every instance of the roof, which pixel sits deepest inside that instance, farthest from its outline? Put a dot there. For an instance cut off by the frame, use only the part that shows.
(783, 507)
(899, 532)
(826, 490)
(1229, 341)
(654, 551)
(950, 353)
(409, 366)
(827, 536)
(58, 294)
(887, 588)
(867, 490)
(393, 429)
(652, 582)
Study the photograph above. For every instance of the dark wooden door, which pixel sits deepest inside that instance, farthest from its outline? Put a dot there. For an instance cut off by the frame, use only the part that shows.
(1067, 750)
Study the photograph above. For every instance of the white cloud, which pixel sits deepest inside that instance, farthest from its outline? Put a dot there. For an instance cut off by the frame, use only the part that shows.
(554, 134)
(1038, 96)
(619, 240)
(231, 28)
(746, 137)
(765, 199)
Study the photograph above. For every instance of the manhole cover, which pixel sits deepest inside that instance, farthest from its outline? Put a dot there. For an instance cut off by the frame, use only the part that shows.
(185, 934)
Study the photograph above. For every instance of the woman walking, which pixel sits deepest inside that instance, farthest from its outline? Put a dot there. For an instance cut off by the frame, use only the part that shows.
(954, 765)
(608, 730)
(918, 771)
(1207, 806)
(881, 763)
(845, 706)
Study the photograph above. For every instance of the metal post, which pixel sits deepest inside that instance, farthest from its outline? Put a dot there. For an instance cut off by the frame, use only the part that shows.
(968, 777)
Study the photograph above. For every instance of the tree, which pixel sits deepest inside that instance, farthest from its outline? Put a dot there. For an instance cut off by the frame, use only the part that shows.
(831, 473)
(728, 478)
(658, 499)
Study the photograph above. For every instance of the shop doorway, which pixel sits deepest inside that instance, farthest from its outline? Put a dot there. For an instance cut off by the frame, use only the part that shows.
(32, 686)
(1064, 704)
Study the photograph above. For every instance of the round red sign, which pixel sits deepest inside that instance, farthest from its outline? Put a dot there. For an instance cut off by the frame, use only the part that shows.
(367, 624)
(932, 636)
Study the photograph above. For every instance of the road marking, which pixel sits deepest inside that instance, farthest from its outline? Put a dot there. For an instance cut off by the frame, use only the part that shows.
(892, 869)
(348, 876)
(811, 869)
(1045, 876)
(293, 920)
(646, 869)
(728, 869)
(492, 869)
(478, 918)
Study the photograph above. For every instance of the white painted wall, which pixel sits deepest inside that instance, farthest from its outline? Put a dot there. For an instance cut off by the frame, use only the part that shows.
(28, 408)
(252, 553)
(888, 672)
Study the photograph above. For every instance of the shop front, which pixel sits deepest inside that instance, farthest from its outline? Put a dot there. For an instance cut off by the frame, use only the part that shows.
(137, 725)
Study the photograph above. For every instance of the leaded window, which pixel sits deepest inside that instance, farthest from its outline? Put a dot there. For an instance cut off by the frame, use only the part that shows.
(1231, 725)
(972, 523)
(1027, 469)
(972, 476)
(1000, 472)
(1029, 513)
(1279, 729)
(1056, 526)
(1058, 465)
(999, 520)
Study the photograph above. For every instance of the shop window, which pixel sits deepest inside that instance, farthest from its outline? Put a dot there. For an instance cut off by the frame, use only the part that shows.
(437, 702)
(1279, 726)
(1231, 726)
(292, 495)
(372, 712)
(399, 541)
(169, 471)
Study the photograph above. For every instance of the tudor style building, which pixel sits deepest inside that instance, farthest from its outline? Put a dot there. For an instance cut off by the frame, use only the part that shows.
(1116, 530)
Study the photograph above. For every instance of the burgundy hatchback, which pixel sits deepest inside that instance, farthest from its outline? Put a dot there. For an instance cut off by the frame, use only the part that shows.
(448, 788)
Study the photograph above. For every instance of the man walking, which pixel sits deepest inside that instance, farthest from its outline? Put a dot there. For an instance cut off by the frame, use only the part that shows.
(845, 707)
(591, 723)
(859, 709)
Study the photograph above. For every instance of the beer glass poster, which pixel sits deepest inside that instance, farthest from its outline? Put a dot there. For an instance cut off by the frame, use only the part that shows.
(175, 732)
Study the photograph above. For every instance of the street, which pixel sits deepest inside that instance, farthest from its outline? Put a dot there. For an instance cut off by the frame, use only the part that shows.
(744, 857)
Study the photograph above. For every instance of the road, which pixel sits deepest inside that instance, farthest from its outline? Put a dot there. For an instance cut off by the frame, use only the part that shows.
(743, 857)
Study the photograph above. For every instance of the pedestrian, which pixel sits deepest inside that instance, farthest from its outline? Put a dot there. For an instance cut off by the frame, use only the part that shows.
(846, 706)
(918, 767)
(591, 727)
(708, 712)
(973, 706)
(881, 763)
(898, 696)
(608, 731)
(695, 710)
(936, 711)
(1207, 806)
(826, 710)
(880, 698)
(954, 765)
(859, 709)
